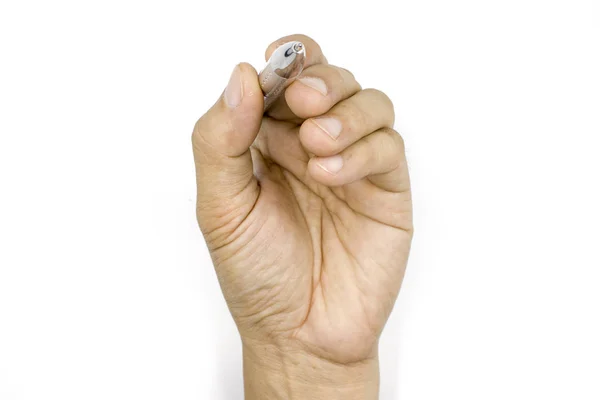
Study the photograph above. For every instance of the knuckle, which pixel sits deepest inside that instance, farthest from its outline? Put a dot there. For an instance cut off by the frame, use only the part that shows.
(377, 94)
(196, 135)
(355, 118)
(394, 138)
(381, 98)
(382, 104)
(200, 144)
(399, 141)
(347, 74)
(373, 150)
(347, 81)
(338, 75)
(386, 148)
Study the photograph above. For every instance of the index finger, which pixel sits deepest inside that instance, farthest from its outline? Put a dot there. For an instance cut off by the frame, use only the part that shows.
(314, 54)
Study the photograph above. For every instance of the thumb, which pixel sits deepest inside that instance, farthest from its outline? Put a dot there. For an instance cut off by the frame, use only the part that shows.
(227, 188)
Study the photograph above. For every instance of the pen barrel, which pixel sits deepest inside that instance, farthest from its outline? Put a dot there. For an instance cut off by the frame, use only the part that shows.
(285, 64)
(272, 85)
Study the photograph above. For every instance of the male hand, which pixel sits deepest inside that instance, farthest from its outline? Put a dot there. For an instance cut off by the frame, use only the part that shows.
(308, 218)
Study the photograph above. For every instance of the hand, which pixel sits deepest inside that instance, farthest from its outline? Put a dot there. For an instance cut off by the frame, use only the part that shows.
(308, 218)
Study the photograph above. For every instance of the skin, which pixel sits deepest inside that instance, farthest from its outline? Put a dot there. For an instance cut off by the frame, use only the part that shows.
(309, 261)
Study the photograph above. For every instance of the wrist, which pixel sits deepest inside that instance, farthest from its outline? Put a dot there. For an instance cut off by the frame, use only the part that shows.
(276, 371)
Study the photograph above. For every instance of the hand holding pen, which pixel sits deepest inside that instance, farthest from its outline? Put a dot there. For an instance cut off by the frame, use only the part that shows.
(305, 204)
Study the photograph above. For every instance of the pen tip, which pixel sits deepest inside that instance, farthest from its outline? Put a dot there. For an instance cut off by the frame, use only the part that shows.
(298, 47)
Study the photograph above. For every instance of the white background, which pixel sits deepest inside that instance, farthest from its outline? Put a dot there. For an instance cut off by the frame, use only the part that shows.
(106, 288)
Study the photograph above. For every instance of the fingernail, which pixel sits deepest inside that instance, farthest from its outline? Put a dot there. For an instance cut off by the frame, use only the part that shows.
(314, 83)
(330, 126)
(333, 164)
(233, 92)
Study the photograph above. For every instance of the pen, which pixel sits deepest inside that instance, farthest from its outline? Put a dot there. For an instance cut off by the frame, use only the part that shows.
(284, 65)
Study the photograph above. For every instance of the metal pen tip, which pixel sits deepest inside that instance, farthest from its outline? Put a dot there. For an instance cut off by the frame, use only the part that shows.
(298, 47)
